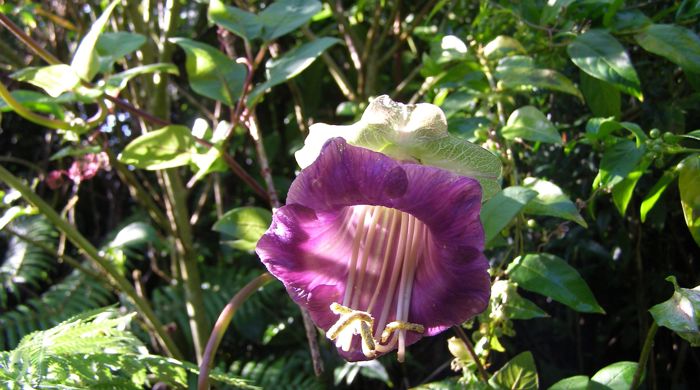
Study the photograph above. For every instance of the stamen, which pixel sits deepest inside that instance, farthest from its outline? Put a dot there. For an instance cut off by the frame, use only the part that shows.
(404, 289)
(352, 322)
(400, 325)
(359, 235)
(395, 215)
(396, 271)
(378, 212)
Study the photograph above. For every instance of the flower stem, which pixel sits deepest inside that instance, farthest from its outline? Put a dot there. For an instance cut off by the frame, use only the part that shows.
(222, 324)
(470, 347)
(644, 356)
(114, 277)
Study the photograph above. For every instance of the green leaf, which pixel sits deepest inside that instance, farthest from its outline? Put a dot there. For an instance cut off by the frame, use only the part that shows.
(497, 213)
(409, 132)
(111, 46)
(622, 192)
(617, 162)
(73, 151)
(578, 382)
(211, 73)
(85, 60)
(551, 201)
(601, 97)
(617, 376)
(169, 147)
(288, 66)
(54, 79)
(35, 101)
(689, 188)
(681, 313)
(506, 300)
(600, 55)
(655, 193)
(530, 124)
(245, 224)
(285, 16)
(519, 373)
(552, 9)
(518, 71)
(601, 128)
(117, 82)
(501, 46)
(551, 276)
(678, 44)
(240, 22)
(134, 235)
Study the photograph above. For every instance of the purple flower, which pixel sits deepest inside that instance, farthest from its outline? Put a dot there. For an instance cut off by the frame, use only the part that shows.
(380, 252)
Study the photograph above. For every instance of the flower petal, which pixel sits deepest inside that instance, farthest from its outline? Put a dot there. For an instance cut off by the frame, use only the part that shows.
(310, 242)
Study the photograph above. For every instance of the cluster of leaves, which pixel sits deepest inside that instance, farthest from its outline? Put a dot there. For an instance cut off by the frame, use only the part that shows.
(92, 350)
(578, 99)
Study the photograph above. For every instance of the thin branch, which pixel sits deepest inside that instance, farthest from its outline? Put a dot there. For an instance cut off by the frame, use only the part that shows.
(644, 356)
(350, 39)
(222, 324)
(336, 72)
(27, 40)
(405, 34)
(470, 347)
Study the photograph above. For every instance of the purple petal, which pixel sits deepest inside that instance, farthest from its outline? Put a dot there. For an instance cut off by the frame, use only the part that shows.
(311, 241)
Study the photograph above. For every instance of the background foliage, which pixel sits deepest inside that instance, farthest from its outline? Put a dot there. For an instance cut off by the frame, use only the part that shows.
(145, 143)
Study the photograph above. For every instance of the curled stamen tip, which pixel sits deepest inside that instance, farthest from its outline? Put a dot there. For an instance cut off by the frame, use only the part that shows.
(400, 325)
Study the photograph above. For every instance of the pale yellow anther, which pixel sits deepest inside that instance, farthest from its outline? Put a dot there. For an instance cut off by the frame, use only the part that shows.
(400, 325)
(356, 322)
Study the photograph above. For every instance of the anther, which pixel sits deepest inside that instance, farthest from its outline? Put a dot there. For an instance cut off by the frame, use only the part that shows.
(400, 325)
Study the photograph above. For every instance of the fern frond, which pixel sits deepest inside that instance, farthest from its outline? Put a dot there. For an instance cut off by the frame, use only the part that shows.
(92, 350)
(292, 371)
(269, 306)
(24, 264)
(74, 294)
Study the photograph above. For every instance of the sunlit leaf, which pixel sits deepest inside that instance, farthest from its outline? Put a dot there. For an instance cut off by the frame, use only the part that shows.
(551, 201)
(54, 79)
(622, 192)
(519, 373)
(678, 44)
(211, 73)
(497, 213)
(551, 276)
(240, 22)
(111, 46)
(168, 147)
(285, 16)
(600, 55)
(517, 72)
(655, 193)
(117, 82)
(291, 64)
(689, 187)
(85, 60)
(681, 313)
(245, 224)
(617, 376)
(530, 124)
(618, 161)
(501, 46)
(578, 382)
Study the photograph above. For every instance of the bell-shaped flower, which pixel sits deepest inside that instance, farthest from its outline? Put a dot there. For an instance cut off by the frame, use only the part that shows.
(384, 248)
